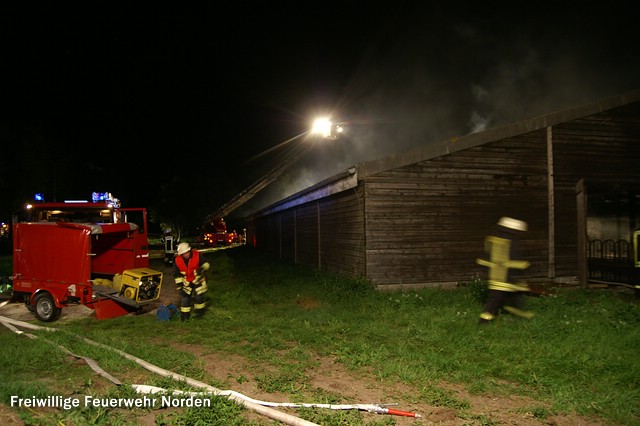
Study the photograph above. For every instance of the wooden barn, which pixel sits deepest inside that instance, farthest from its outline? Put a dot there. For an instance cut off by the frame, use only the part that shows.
(419, 218)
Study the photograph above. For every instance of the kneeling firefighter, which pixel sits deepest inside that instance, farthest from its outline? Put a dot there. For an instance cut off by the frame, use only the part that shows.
(504, 292)
(191, 280)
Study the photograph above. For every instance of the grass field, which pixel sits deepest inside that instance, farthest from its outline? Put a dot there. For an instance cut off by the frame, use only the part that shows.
(578, 356)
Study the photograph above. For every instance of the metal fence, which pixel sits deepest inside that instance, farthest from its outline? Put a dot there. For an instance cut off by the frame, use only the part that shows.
(611, 261)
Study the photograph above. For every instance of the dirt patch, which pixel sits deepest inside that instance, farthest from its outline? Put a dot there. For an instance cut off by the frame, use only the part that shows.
(238, 374)
(18, 311)
(9, 417)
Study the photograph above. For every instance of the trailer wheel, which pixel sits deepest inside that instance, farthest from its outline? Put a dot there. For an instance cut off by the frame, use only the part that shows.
(46, 309)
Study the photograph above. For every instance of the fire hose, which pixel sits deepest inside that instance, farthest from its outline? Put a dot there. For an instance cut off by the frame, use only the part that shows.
(372, 408)
(261, 407)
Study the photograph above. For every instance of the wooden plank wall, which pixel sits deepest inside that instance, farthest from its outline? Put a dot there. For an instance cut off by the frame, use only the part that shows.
(287, 236)
(426, 222)
(307, 234)
(266, 234)
(327, 234)
(342, 235)
(604, 150)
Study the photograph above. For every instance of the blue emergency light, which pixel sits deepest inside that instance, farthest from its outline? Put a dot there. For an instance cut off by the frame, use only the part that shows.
(100, 196)
(39, 196)
(106, 197)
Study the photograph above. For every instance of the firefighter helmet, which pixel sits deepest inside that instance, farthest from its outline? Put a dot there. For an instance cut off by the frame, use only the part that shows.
(183, 248)
(511, 223)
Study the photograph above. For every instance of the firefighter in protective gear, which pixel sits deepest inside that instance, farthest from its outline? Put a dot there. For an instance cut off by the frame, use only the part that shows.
(191, 280)
(504, 293)
(169, 241)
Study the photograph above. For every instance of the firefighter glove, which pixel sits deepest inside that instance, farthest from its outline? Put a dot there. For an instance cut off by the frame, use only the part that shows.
(203, 268)
(201, 289)
(179, 283)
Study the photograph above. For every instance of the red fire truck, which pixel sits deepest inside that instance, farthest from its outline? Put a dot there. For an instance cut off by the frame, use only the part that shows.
(92, 253)
(215, 232)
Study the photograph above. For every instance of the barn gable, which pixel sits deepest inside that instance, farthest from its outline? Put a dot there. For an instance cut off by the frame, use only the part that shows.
(420, 217)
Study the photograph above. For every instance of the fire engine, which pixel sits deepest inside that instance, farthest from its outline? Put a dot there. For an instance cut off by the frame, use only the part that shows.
(215, 232)
(93, 253)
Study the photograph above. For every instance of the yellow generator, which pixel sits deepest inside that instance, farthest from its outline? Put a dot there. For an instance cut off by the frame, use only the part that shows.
(141, 285)
(128, 292)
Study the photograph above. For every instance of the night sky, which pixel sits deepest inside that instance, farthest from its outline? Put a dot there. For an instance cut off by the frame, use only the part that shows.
(185, 105)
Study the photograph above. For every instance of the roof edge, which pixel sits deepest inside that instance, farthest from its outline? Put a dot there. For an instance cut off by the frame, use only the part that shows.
(471, 140)
(343, 181)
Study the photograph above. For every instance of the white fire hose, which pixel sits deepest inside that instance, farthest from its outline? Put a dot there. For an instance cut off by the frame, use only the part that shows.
(262, 407)
(266, 411)
(372, 408)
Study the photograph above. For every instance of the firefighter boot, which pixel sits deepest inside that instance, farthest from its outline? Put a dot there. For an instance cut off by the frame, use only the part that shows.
(486, 318)
(519, 312)
(198, 310)
(199, 305)
(185, 316)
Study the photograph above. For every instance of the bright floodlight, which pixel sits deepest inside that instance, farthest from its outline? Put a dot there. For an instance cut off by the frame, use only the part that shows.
(322, 127)
(325, 128)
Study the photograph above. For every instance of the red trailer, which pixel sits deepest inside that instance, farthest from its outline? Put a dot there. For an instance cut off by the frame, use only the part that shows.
(56, 264)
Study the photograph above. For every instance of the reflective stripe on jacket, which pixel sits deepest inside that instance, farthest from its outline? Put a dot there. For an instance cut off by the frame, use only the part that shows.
(502, 286)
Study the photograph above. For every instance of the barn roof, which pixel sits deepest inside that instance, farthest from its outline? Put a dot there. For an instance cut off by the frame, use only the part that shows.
(471, 140)
(350, 177)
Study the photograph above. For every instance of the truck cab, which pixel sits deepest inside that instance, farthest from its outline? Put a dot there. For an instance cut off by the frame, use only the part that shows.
(102, 209)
